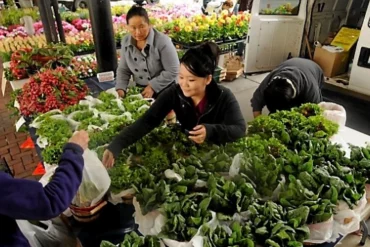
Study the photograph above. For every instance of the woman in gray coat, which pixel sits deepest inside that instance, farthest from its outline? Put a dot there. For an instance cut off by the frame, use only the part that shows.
(146, 54)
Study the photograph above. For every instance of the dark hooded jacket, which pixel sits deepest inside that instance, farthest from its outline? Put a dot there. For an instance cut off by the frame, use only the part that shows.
(306, 76)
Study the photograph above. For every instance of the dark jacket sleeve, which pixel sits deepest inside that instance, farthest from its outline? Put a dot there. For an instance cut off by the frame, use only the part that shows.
(233, 126)
(27, 199)
(151, 119)
(258, 99)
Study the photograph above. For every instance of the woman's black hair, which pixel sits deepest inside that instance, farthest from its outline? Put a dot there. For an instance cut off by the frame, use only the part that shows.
(202, 60)
(137, 10)
(279, 95)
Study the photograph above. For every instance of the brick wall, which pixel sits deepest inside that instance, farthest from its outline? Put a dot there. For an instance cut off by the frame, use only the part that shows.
(21, 161)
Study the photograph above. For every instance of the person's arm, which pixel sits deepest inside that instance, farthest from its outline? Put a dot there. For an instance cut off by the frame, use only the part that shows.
(258, 100)
(27, 199)
(233, 126)
(123, 72)
(257, 113)
(152, 118)
(170, 64)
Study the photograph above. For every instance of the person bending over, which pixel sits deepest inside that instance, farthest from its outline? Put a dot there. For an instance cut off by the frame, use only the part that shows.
(295, 82)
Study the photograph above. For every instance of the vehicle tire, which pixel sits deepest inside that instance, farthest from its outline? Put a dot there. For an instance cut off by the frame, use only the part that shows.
(80, 4)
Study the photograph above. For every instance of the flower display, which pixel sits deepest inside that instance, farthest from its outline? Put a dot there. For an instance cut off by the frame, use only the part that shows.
(81, 24)
(12, 44)
(85, 66)
(199, 28)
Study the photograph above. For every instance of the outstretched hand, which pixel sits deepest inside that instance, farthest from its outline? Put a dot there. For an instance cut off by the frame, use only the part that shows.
(108, 159)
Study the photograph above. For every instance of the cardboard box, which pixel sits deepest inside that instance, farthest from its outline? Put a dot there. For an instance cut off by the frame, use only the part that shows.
(332, 63)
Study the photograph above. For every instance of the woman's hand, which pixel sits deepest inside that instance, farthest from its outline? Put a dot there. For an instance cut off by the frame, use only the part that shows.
(80, 138)
(198, 134)
(148, 92)
(108, 159)
(121, 93)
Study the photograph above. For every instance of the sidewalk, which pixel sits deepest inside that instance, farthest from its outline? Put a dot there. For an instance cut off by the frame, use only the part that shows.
(21, 161)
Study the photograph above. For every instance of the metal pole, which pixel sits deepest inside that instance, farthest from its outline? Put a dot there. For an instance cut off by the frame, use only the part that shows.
(102, 28)
(43, 7)
(58, 19)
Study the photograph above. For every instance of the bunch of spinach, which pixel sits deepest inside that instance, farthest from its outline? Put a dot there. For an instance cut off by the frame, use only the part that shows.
(134, 240)
(273, 226)
(184, 215)
(234, 235)
(230, 196)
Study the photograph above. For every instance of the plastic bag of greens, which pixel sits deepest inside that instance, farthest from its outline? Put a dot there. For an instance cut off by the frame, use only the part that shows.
(95, 181)
(334, 112)
(349, 219)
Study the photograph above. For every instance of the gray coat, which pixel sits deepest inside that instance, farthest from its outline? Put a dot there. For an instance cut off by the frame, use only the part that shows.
(157, 64)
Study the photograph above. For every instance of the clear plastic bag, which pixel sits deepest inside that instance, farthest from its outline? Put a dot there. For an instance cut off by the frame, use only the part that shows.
(95, 181)
(334, 112)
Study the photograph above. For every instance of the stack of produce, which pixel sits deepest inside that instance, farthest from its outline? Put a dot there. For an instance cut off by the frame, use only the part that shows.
(49, 90)
(103, 118)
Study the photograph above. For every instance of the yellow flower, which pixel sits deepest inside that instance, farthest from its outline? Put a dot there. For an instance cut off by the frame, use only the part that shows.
(225, 12)
(222, 21)
(193, 24)
(228, 20)
(181, 25)
(234, 17)
(188, 29)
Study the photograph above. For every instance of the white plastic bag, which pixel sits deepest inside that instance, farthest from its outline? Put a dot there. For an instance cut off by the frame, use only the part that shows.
(42, 142)
(367, 188)
(117, 198)
(349, 219)
(149, 224)
(56, 233)
(334, 112)
(95, 181)
(321, 232)
(57, 114)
